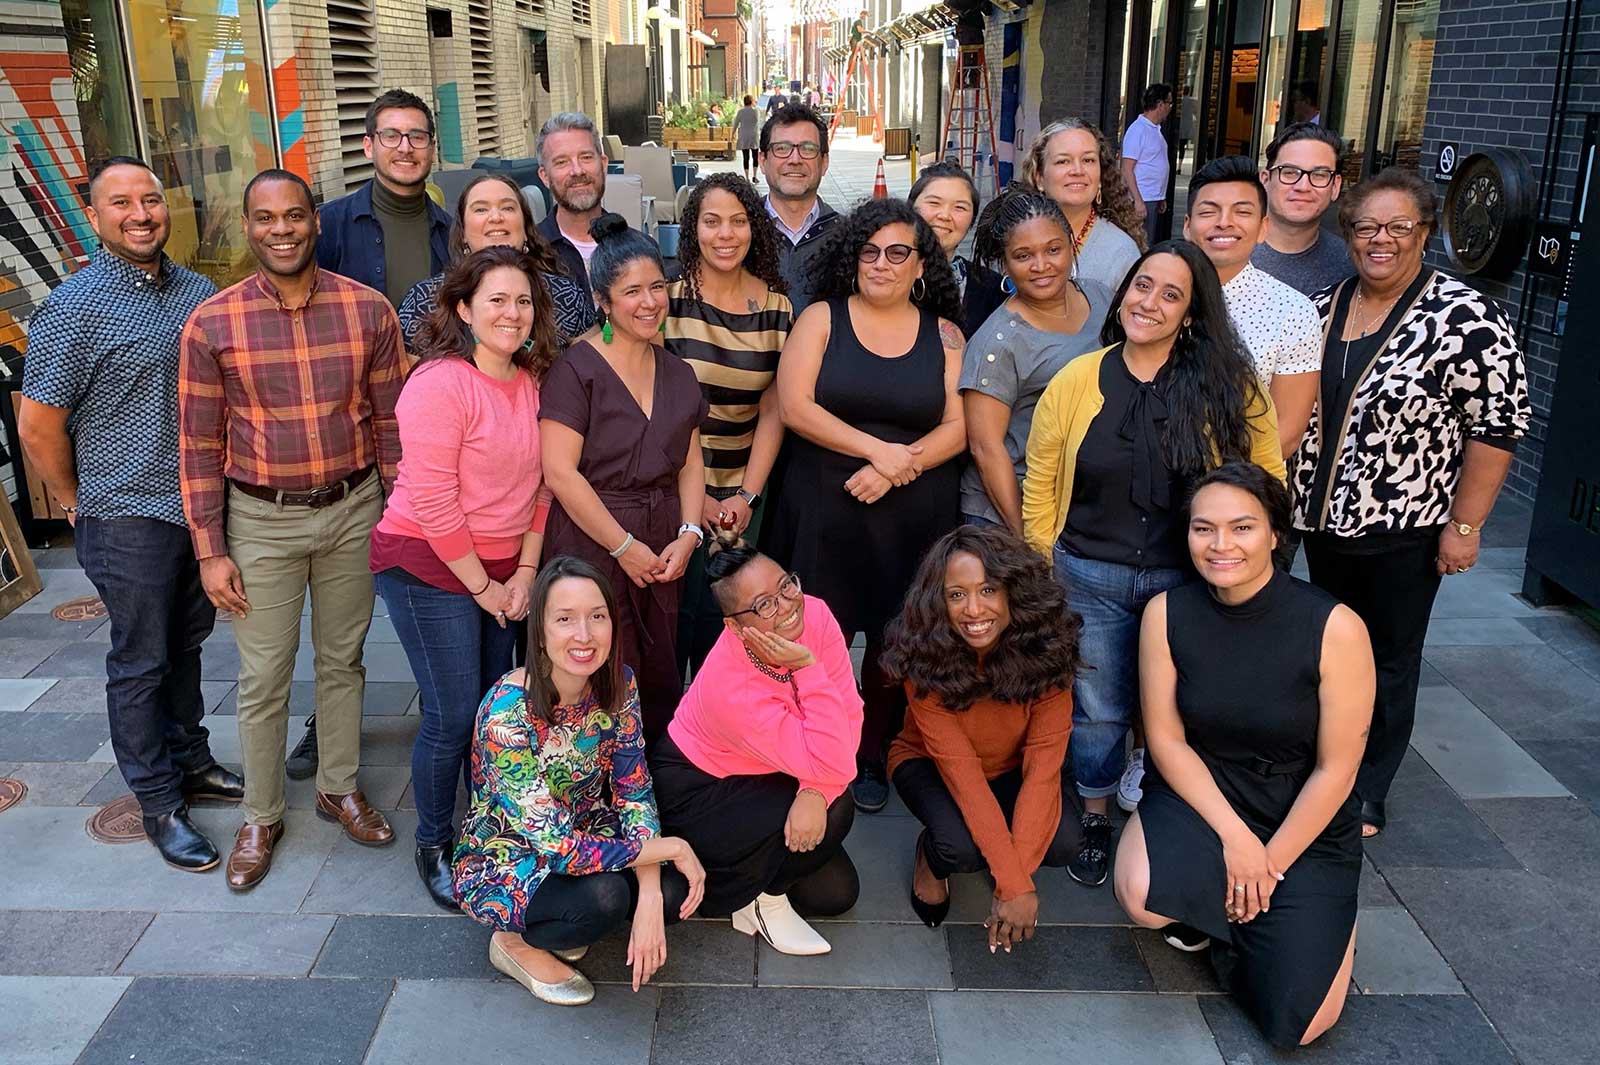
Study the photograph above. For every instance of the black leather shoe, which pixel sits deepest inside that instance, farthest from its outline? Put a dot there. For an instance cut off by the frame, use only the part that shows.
(433, 865)
(182, 846)
(302, 761)
(1375, 816)
(932, 914)
(216, 784)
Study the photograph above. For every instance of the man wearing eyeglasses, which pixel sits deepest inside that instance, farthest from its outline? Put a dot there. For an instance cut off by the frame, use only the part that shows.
(1302, 181)
(794, 158)
(388, 234)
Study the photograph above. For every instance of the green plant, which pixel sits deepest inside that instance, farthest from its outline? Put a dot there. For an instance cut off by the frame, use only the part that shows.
(692, 114)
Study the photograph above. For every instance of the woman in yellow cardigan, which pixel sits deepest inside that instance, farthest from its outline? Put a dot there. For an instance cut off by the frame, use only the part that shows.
(1118, 437)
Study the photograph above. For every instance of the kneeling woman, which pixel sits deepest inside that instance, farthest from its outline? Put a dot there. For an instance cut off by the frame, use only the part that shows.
(763, 746)
(1258, 692)
(563, 840)
(987, 649)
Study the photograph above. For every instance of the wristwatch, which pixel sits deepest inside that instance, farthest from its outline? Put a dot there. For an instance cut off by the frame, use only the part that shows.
(1463, 528)
(751, 498)
(691, 527)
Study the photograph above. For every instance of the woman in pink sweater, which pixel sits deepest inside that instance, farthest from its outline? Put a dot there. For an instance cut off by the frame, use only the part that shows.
(754, 763)
(459, 542)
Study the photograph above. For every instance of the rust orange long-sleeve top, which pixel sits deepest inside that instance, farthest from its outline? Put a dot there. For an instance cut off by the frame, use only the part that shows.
(973, 746)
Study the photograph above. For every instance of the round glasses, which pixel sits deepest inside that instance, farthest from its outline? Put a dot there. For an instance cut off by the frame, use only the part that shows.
(1398, 228)
(391, 138)
(1320, 178)
(767, 606)
(895, 253)
(784, 149)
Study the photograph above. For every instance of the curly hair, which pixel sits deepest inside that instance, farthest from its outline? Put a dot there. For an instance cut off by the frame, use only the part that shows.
(445, 336)
(1014, 206)
(761, 259)
(1213, 384)
(538, 249)
(1035, 654)
(838, 266)
(1115, 201)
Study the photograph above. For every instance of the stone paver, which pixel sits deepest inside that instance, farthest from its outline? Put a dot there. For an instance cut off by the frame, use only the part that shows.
(228, 944)
(1029, 1029)
(46, 1020)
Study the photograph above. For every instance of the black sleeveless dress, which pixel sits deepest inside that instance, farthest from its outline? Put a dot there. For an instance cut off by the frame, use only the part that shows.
(1248, 680)
(860, 558)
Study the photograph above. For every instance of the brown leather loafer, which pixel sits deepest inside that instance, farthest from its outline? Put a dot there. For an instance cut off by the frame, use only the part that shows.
(361, 822)
(251, 858)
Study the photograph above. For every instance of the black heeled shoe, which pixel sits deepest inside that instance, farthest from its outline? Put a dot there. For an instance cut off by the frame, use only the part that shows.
(433, 865)
(931, 914)
(1374, 814)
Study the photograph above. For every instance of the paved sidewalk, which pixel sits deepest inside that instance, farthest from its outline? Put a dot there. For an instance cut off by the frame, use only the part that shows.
(1478, 932)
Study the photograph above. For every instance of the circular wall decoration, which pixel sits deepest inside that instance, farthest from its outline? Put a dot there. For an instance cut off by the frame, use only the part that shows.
(11, 792)
(1488, 212)
(86, 608)
(117, 821)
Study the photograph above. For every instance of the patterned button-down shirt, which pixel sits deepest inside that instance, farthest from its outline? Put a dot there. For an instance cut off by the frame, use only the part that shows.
(104, 345)
(285, 399)
(1279, 325)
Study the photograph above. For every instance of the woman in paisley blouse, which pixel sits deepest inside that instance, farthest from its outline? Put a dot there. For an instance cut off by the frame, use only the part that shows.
(491, 211)
(1424, 397)
(563, 841)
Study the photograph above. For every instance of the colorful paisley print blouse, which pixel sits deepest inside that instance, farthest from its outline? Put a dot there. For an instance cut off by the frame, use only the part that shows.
(571, 797)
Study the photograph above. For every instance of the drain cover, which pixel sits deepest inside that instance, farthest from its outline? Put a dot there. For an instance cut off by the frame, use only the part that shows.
(11, 792)
(117, 822)
(87, 608)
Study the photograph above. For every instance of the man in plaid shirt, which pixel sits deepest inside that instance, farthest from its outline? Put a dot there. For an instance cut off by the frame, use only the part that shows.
(286, 395)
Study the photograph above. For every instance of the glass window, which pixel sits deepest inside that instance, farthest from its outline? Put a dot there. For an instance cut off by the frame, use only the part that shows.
(1405, 92)
(1307, 62)
(1157, 70)
(99, 78)
(198, 65)
(1350, 99)
(1274, 71)
(1191, 81)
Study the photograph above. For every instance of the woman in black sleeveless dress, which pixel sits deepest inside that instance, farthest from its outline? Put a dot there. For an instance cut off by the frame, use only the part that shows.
(867, 390)
(1258, 694)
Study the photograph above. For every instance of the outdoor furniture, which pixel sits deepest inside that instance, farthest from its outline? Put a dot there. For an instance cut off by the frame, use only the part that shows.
(534, 195)
(654, 168)
(625, 196)
(615, 151)
(711, 141)
(450, 183)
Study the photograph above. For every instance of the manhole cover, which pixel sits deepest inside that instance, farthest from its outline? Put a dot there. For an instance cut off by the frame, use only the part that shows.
(11, 793)
(87, 608)
(117, 822)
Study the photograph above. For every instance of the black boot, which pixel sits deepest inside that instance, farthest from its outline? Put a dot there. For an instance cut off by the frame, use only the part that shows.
(182, 845)
(213, 785)
(302, 761)
(433, 865)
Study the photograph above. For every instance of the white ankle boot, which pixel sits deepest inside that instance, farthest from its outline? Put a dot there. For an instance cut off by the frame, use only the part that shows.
(784, 930)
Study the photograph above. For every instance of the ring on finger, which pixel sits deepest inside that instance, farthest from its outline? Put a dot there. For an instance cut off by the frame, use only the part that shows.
(1238, 889)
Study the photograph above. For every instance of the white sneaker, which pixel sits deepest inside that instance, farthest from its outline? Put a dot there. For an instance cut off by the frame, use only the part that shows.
(784, 930)
(1130, 789)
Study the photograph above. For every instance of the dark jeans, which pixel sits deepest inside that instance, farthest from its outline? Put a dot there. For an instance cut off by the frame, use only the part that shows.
(146, 574)
(578, 911)
(1392, 591)
(949, 845)
(457, 651)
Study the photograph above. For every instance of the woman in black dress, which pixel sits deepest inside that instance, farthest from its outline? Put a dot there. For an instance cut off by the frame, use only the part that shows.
(1258, 694)
(867, 390)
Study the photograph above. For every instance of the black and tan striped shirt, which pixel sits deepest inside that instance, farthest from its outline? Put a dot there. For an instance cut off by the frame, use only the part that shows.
(735, 358)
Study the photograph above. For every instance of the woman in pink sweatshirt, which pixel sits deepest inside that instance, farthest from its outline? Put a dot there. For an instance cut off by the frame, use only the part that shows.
(754, 763)
(459, 542)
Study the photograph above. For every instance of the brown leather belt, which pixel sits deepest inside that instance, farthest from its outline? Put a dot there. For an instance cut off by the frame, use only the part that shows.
(325, 496)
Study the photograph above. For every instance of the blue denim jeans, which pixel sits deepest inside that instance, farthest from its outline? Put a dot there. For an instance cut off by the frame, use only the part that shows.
(457, 651)
(1105, 697)
(147, 576)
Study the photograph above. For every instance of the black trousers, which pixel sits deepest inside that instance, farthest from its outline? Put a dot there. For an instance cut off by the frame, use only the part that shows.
(949, 845)
(749, 155)
(883, 709)
(577, 911)
(1392, 591)
(735, 825)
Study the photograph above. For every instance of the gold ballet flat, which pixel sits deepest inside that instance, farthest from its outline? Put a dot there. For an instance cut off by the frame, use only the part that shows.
(575, 990)
(572, 955)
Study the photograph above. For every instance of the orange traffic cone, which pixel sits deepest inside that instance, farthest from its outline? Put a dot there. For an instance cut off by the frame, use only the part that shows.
(880, 187)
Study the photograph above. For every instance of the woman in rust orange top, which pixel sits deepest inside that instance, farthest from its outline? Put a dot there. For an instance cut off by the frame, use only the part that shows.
(987, 650)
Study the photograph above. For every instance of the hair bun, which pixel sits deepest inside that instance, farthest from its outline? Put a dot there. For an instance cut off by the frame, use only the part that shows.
(724, 540)
(608, 224)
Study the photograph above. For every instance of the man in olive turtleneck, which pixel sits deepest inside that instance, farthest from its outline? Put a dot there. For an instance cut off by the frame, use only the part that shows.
(388, 234)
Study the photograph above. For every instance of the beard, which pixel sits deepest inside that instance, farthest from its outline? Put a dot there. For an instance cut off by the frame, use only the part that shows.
(579, 198)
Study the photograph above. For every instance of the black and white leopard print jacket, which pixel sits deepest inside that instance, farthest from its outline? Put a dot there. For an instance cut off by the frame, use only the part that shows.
(1451, 372)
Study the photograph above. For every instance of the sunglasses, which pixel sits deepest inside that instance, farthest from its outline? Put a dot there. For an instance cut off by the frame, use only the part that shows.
(895, 253)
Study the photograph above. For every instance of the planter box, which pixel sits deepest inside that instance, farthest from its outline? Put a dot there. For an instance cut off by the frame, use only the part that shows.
(702, 141)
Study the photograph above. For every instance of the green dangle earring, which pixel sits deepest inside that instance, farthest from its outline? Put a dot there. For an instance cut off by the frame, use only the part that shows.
(605, 331)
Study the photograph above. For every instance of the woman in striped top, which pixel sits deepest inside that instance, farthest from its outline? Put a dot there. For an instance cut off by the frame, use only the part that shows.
(728, 320)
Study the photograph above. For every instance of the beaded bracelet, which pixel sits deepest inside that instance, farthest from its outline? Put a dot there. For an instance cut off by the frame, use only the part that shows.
(622, 548)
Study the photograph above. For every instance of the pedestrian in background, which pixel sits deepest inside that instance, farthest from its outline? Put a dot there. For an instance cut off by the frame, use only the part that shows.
(283, 477)
(747, 137)
(1146, 163)
(99, 421)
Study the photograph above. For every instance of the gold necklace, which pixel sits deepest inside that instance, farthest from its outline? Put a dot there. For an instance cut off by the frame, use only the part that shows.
(1383, 312)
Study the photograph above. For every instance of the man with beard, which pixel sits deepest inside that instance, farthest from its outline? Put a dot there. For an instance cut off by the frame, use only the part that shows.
(99, 420)
(794, 158)
(388, 234)
(572, 165)
(287, 438)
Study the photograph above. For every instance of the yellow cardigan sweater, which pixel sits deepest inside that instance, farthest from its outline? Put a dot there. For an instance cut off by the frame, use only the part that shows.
(1070, 402)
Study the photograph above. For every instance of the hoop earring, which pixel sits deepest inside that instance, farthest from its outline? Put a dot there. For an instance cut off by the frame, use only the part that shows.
(1008, 286)
(855, 284)
(914, 293)
(1097, 196)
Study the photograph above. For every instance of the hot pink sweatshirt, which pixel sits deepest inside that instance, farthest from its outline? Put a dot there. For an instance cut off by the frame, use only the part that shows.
(736, 721)
(469, 477)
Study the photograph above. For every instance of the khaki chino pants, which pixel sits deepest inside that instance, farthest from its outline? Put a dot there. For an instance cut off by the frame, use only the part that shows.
(280, 550)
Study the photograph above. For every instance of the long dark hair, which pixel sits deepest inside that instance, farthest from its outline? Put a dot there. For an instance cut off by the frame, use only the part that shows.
(1267, 490)
(1035, 655)
(761, 259)
(1212, 387)
(1013, 207)
(837, 265)
(607, 683)
(445, 336)
(544, 260)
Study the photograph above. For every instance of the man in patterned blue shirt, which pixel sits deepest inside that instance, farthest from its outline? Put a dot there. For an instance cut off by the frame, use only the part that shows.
(99, 420)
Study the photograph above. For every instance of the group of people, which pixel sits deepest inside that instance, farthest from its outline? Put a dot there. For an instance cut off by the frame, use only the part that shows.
(1053, 483)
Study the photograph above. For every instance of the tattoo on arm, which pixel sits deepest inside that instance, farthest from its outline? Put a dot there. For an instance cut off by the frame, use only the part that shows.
(950, 335)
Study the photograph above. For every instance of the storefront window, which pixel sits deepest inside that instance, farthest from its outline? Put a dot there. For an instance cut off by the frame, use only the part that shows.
(1405, 94)
(1274, 72)
(1350, 101)
(99, 78)
(1309, 56)
(199, 68)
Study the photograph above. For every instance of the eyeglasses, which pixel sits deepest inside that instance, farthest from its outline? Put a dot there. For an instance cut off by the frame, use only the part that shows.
(391, 138)
(784, 149)
(895, 253)
(1398, 228)
(1320, 178)
(766, 607)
